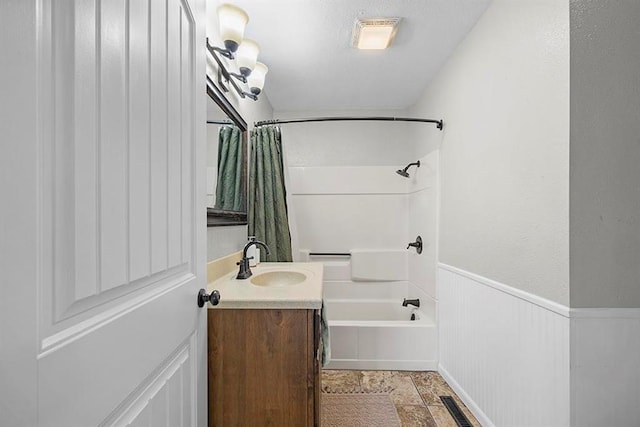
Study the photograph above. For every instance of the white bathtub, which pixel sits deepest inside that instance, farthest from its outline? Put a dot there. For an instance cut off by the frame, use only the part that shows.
(369, 327)
(378, 334)
(349, 311)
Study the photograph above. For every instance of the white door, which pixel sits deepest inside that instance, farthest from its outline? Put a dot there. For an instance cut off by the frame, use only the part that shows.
(102, 218)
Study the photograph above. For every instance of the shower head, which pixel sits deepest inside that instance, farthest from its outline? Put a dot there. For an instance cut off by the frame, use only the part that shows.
(404, 173)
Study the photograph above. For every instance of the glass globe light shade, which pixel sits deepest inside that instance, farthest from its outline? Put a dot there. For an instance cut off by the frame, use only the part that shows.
(232, 22)
(256, 78)
(247, 56)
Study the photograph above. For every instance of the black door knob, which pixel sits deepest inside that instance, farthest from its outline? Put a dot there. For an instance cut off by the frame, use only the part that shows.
(203, 297)
(417, 244)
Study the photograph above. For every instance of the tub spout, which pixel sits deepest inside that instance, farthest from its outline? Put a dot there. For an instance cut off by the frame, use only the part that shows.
(414, 302)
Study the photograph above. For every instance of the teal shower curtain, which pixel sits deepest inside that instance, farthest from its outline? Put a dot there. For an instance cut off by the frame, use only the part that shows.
(230, 157)
(268, 218)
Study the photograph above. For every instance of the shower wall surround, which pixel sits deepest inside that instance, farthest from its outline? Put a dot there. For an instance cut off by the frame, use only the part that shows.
(346, 194)
(423, 221)
(347, 197)
(338, 209)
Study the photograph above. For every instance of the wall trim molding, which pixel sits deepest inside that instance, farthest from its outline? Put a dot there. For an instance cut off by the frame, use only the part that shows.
(605, 313)
(563, 310)
(466, 399)
(557, 308)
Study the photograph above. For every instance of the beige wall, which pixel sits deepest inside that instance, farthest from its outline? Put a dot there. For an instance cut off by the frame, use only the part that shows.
(504, 153)
(605, 153)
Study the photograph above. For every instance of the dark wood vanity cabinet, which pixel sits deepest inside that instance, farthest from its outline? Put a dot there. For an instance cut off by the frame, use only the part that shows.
(263, 367)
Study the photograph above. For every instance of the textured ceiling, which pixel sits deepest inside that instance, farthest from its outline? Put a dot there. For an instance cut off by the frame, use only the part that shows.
(307, 46)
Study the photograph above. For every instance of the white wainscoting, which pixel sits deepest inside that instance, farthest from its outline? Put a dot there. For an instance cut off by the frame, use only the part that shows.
(605, 367)
(504, 351)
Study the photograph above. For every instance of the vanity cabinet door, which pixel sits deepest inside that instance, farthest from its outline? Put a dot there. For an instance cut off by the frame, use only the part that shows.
(263, 369)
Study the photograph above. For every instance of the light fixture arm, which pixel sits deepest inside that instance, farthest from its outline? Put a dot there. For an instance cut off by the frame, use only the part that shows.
(226, 74)
(240, 77)
(249, 95)
(224, 52)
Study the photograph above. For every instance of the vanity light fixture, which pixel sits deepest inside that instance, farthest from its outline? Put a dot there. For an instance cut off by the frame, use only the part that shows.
(256, 79)
(247, 57)
(374, 34)
(232, 23)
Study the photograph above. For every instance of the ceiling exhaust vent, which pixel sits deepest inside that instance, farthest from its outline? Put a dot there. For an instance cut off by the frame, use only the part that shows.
(375, 33)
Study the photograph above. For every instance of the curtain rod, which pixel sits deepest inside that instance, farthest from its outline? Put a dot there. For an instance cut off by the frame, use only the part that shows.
(219, 122)
(439, 123)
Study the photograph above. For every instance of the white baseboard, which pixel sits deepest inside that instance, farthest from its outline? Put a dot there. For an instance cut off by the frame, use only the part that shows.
(384, 365)
(466, 399)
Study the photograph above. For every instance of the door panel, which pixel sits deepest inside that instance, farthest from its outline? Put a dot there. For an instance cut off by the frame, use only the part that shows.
(120, 234)
(159, 113)
(100, 176)
(151, 406)
(82, 381)
(139, 139)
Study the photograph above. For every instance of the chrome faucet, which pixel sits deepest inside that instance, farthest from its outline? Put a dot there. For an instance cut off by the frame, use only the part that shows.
(245, 270)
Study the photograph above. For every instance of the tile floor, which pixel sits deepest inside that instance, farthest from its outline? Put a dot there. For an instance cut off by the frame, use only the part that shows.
(415, 394)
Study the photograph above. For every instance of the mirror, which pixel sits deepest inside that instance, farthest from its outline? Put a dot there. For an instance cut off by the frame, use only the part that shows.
(226, 161)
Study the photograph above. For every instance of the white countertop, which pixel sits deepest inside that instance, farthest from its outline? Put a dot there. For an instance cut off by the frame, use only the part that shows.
(236, 293)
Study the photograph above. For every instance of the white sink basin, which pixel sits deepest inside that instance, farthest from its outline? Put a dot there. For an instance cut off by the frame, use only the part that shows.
(278, 278)
(274, 285)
